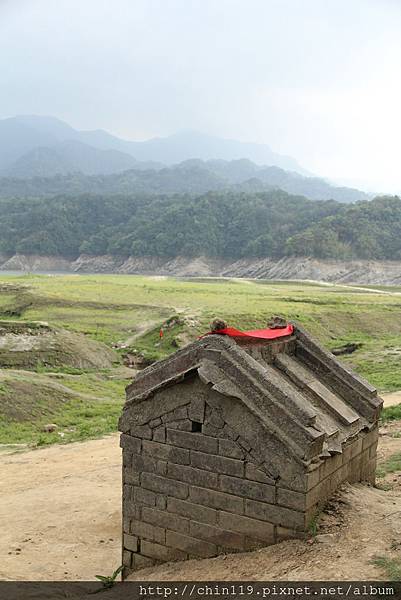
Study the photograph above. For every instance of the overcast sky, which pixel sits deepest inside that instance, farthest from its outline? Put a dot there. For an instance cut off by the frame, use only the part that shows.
(319, 80)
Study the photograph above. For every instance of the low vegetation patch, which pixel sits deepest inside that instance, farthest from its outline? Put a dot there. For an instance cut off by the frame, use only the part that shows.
(391, 566)
(391, 413)
(33, 345)
(62, 355)
(391, 465)
(80, 406)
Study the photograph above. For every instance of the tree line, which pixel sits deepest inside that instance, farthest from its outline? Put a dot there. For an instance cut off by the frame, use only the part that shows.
(224, 224)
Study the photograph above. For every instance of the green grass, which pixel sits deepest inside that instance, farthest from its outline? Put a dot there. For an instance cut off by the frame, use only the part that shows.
(391, 465)
(391, 413)
(126, 312)
(87, 406)
(313, 526)
(78, 420)
(391, 567)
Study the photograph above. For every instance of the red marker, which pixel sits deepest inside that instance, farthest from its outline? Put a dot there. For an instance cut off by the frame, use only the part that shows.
(161, 333)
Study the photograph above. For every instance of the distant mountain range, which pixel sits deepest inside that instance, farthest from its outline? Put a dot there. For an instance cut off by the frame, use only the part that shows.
(35, 145)
(191, 176)
(43, 156)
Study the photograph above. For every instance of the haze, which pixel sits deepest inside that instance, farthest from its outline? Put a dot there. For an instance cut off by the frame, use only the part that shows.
(315, 80)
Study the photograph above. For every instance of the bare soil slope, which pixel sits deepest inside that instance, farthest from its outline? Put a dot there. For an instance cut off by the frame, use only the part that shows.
(60, 515)
(29, 344)
(304, 268)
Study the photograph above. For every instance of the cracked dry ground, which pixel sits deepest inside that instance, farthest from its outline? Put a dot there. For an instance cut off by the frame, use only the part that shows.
(60, 509)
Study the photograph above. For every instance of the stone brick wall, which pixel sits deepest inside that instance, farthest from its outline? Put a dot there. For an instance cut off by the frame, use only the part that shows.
(201, 477)
(198, 494)
(356, 463)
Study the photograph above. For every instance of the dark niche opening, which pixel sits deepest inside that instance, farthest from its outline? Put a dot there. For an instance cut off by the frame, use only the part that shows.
(196, 427)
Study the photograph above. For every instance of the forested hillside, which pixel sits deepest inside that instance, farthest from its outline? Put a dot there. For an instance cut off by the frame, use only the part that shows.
(216, 224)
(193, 176)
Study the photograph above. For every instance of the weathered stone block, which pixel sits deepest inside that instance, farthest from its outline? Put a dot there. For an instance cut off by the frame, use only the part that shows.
(218, 536)
(229, 433)
(141, 431)
(161, 502)
(312, 478)
(217, 500)
(196, 410)
(230, 449)
(128, 491)
(130, 542)
(192, 511)
(215, 419)
(127, 558)
(127, 456)
(251, 527)
(256, 474)
(162, 553)
(217, 464)
(130, 476)
(142, 562)
(165, 452)
(370, 438)
(183, 425)
(192, 475)
(190, 545)
(159, 434)
(357, 447)
(364, 456)
(132, 510)
(330, 465)
(247, 489)
(155, 423)
(368, 471)
(319, 493)
(244, 444)
(162, 485)
(373, 450)
(180, 412)
(144, 496)
(208, 429)
(132, 444)
(148, 532)
(126, 523)
(141, 462)
(354, 470)
(166, 520)
(195, 441)
(278, 515)
(291, 499)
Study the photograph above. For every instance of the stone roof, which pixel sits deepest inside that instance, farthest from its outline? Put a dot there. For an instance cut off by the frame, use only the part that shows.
(300, 393)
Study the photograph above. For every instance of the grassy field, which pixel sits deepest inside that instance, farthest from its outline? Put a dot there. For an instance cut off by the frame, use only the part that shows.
(126, 312)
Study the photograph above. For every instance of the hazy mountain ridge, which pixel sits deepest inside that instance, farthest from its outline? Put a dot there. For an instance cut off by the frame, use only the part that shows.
(192, 176)
(72, 156)
(22, 134)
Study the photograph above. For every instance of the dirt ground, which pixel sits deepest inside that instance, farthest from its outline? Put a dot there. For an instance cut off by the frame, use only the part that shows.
(60, 511)
(391, 399)
(60, 520)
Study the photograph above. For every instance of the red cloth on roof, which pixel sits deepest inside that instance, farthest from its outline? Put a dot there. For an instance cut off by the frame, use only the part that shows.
(264, 334)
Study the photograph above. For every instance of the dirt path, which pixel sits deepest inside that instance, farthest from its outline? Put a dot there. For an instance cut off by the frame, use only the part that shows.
(60, 511)
(60, 515)
(392, 398)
